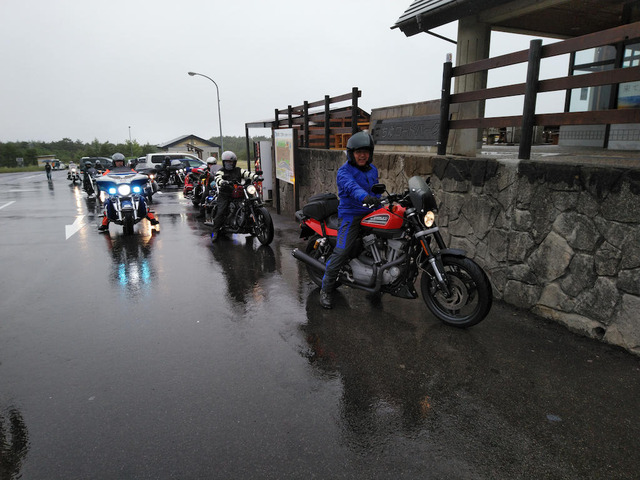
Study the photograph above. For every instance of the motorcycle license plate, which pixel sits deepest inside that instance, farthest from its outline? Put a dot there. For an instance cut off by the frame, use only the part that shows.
(127, 205)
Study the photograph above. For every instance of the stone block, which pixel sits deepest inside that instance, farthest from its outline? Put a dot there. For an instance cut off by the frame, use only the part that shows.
(581, 275)
(521, 294)
(600, 301)
(520, 244)
(629, 281)
(607, 260)
(578, 230)
(625, 331)
(551, 259)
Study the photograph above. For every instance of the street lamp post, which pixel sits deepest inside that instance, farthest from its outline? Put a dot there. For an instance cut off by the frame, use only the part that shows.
(130, 142)
(218, 95)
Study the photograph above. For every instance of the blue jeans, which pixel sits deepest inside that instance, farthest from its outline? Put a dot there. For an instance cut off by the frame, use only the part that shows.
(347, 237)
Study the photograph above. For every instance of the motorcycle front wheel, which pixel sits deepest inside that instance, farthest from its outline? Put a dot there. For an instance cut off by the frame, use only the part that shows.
(263, 227)
(127, 225)
(470, 296)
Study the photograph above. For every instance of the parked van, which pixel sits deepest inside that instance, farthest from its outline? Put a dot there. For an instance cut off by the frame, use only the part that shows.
(153, 159)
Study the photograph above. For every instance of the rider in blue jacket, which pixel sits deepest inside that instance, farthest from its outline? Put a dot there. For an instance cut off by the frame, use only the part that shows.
(355, 181)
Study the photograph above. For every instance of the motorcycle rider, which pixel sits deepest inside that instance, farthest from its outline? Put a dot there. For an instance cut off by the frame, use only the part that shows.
(119, 167)
(224, 179)
(355, 179)
(88, 171)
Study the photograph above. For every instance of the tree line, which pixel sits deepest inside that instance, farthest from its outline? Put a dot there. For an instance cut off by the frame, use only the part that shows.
(68, 150)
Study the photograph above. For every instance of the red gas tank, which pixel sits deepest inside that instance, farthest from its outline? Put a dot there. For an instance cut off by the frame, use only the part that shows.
(383, 221)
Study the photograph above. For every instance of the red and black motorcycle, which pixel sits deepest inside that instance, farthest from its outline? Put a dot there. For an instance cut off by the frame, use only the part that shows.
(399, 241)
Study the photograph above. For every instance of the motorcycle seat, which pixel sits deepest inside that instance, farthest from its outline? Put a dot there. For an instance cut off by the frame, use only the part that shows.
(321, 206)
(333, 222)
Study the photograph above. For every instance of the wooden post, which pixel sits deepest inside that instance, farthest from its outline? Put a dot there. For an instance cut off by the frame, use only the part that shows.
(354, 110)
(289, 116)
(327, 121)
(445, 102)
(530, 97)
(306, 124)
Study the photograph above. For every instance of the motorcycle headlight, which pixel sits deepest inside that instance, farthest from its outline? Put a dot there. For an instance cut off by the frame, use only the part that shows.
(112, 190)
(137, 189)
(251, 190)
(152, 177)
(124, 189)
(429, 219)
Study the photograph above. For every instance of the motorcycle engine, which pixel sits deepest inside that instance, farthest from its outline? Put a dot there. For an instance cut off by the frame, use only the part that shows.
(377, 251)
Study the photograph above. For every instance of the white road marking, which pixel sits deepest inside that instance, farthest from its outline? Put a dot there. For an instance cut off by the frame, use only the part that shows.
(70, 230)
(7, 204)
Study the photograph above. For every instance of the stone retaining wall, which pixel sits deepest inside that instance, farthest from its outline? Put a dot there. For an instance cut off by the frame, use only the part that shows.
(560, 240)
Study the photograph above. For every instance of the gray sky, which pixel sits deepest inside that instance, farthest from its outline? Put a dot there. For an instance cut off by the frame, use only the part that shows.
(90, 69)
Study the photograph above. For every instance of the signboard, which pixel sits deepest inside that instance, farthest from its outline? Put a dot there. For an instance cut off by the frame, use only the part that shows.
(629, 95)
(284, 155)
(421, 130)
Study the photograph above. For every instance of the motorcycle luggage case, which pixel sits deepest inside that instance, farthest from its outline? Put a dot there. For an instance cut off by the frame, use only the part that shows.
(321, 206)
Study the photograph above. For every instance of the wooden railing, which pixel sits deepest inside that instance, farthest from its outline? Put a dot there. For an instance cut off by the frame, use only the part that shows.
(325, 127)
(619, 35)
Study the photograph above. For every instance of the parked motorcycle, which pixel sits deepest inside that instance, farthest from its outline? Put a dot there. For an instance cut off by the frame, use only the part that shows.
(247, 214)
(196, 185)
(73, 174)
(126, 204)
(172, 174)
(399, 241)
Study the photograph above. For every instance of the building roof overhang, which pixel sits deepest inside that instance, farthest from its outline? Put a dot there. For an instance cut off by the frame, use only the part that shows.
(548, 18)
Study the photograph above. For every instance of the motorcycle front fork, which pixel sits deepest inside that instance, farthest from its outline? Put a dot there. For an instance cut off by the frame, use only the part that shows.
(435, 262)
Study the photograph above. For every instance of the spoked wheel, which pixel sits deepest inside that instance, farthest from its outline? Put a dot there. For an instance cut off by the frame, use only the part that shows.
(470, 295)
(263, 227)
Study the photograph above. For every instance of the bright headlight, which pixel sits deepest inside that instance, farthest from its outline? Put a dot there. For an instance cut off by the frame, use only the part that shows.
(124, 189)
(152, 176)
(429, 218)
(112, 190)
(137, 189)
(251, 190)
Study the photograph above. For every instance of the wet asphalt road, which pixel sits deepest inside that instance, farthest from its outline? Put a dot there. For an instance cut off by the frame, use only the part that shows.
(162, 357)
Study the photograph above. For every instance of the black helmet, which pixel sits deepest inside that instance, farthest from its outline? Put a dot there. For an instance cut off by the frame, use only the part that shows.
(358, 141)
(229, 160)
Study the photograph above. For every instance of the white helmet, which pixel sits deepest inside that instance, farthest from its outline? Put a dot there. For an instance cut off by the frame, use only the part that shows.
(118, 157)
(212, 161)
(229, 160)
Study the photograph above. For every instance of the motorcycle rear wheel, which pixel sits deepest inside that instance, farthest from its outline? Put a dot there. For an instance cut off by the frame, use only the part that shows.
(263, 227)
(471, 296)
(315, 275)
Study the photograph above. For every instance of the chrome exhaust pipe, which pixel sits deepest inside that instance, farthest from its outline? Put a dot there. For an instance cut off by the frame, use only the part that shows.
(303, 257)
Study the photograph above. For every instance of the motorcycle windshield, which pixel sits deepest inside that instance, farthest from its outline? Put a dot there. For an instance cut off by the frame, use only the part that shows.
(421, 195)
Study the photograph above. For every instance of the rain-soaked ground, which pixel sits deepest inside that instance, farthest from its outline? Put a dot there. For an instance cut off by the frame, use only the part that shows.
(161, 356)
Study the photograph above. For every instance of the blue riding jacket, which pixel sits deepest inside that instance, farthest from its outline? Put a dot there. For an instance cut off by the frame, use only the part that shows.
(353, 185)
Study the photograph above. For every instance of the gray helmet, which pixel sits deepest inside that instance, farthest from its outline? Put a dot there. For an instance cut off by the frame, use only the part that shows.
(212, 161)
(358, 141)
(118, 157)
(229, 160)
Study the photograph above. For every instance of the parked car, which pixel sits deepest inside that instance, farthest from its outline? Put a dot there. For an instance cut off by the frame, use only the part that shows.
(155, 159)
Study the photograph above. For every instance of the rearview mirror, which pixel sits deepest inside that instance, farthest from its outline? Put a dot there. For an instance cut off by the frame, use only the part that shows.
(379, 188)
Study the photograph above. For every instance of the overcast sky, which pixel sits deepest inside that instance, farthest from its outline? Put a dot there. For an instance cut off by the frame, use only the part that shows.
(99, 69)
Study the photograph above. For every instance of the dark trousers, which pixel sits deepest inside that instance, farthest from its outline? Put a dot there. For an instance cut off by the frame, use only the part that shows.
(347, 237)
(221, 212)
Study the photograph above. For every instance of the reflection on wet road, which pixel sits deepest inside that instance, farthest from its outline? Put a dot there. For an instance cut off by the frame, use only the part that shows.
(159, 355)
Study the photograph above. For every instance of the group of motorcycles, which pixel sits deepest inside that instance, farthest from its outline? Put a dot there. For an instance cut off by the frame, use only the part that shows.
(399, 241)
(246, 215)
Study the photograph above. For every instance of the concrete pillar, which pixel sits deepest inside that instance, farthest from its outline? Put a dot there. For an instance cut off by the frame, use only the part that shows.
(474, 39)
